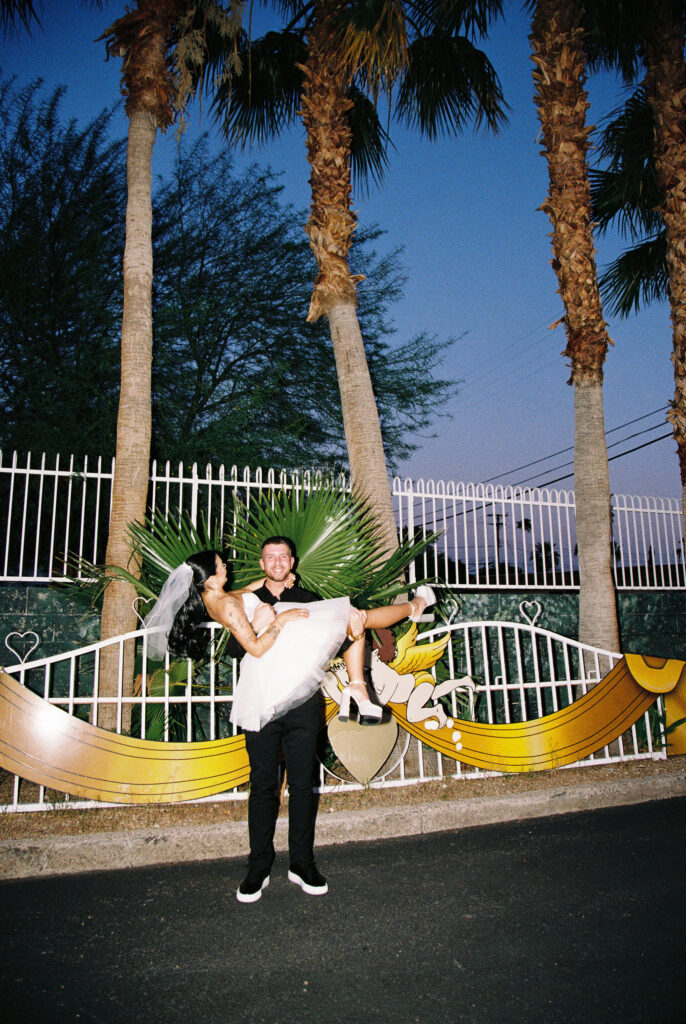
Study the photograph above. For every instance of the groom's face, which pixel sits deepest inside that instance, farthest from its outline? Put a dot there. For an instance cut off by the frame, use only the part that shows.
(276, 562)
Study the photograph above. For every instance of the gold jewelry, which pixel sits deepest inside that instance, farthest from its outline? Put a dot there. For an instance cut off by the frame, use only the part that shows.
(351, 636)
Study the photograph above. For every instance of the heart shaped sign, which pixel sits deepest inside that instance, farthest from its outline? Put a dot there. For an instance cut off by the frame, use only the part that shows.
(143, 601)
(363, 749)
(27, 647)
(526, 609)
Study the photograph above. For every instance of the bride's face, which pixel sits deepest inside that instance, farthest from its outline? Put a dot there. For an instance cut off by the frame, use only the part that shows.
(219, 578)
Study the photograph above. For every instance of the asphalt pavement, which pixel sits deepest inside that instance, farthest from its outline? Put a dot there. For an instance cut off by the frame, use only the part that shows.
(567, 918)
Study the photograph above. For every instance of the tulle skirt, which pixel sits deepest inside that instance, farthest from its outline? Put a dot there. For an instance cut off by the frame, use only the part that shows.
(290, 672)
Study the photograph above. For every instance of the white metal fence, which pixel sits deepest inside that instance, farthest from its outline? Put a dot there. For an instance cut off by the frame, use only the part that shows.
(56, 512)
(520, 673)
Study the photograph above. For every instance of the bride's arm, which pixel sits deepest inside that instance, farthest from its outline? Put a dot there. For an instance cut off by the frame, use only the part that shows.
(248, 588)
(229, 612)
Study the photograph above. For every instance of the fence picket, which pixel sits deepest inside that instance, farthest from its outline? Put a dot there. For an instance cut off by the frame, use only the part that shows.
(493, 537)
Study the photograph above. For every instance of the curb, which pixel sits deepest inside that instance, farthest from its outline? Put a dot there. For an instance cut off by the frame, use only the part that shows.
(72, 854)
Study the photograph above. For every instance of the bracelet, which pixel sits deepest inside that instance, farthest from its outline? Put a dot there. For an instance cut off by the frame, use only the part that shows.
(351, 636)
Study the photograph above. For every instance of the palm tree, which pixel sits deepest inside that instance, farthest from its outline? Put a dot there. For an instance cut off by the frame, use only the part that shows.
(665, 83)
(655, 120)
(141, 38)
(320, 66)
(144, 39)
(559, 75)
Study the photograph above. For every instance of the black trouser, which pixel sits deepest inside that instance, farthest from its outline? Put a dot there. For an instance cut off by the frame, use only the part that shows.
(296, 733)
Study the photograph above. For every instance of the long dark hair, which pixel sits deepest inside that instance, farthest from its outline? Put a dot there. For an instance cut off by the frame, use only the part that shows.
(187, 638)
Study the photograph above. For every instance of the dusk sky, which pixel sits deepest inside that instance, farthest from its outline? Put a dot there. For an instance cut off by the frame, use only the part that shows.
(477, 257)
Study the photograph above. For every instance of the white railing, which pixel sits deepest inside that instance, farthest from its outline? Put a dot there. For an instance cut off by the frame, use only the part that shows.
(520, 673)
(492, 537)
(522, 539)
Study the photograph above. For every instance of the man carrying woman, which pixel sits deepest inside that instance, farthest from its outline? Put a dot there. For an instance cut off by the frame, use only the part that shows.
(276, 701)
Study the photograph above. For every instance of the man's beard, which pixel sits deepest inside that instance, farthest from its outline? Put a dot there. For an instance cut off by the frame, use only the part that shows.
(279, 579)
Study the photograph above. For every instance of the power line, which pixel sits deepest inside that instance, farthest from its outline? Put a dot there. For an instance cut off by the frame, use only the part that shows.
(496, 355)
(619, 455)
(497, 381)
(440, 520)
(470, 380)
(570, 448)
(554, 469)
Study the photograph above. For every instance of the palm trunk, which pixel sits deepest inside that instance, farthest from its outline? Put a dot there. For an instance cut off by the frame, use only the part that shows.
(132, 463)
(361, 419)
(562, 104)
(666, 89)
(325, 107)
(140, 37)
(597, 619)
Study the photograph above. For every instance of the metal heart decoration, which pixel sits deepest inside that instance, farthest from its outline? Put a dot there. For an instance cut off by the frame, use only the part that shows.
(450, 608)
(27, 649)
(134, 605)
(363, 749)
(525, 609)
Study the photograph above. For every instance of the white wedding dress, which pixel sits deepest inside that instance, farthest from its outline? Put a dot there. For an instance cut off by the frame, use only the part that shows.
(290, 672)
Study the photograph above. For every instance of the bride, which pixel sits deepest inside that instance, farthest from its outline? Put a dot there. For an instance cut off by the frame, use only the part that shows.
(288, 646)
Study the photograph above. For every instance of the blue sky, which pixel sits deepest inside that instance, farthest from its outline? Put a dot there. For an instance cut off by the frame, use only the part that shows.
(477, 258)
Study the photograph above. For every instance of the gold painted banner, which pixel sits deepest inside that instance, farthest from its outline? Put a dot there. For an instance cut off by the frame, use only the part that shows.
(610, 708)
(43, 744)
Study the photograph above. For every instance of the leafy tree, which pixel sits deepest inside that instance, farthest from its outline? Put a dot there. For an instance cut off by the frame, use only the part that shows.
(61, 242)
(240, 377)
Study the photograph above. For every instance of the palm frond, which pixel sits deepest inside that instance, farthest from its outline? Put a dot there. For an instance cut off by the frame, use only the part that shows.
(337, 540)
(163, 544)
(262, 98)
(471, 18)
(627, 132)
(15, 12)
(370, 141)
(372, 38)
(625, 191)
(636, 278)
(613, 34)
(449, 82)
(159, 545)
(625, 202)
(293, 9)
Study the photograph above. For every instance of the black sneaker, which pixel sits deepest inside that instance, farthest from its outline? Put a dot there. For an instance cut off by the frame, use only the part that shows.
(250, 889)
(309, 879)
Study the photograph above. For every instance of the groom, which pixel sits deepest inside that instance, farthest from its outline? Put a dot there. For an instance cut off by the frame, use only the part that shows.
(296, 733)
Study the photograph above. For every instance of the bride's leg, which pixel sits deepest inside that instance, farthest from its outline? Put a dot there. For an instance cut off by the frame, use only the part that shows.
(388, 615)
(368, 713)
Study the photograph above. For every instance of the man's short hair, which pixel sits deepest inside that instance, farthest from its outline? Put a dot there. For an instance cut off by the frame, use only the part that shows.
(280, 540)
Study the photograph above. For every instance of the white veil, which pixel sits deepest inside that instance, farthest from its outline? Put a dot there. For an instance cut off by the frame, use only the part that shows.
(173, 595)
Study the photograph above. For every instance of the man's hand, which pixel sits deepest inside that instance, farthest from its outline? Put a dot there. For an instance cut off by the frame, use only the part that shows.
(356, 623)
